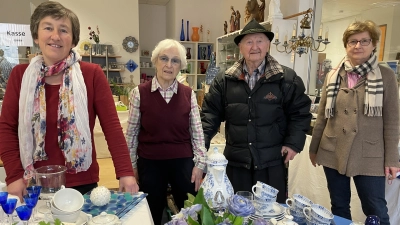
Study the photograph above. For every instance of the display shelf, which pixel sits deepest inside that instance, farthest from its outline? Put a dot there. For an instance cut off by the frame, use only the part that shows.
(200, 57)
(104, 61)
(146, 71)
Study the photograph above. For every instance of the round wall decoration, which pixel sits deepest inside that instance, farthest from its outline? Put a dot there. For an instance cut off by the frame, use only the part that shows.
(130, 44)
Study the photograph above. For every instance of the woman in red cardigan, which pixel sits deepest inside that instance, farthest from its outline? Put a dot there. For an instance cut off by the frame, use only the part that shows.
(49, 111)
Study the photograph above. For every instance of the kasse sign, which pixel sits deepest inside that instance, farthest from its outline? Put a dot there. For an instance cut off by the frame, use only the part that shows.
(15, 35)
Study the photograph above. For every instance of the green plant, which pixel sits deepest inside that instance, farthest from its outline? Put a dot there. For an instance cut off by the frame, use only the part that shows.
(56, 222)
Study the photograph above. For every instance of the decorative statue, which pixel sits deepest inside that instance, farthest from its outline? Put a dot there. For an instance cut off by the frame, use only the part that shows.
(201, 33)
(262, 10)
(226, 27)
(237, 20)
(252, 11)
(232, 20)
(274, 10)
(208, 35)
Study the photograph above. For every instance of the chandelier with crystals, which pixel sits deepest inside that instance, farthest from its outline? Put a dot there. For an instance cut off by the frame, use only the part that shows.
(302, 43)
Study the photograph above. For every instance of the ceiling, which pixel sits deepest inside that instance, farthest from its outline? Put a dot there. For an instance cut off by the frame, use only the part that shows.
(337, 9)
(331, 9)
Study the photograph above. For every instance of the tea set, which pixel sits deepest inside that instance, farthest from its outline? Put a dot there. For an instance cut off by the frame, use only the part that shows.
(66, 206)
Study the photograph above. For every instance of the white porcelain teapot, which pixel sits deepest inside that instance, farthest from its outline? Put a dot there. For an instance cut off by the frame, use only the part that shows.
(216, 186)
(287, 220)
(105, 219)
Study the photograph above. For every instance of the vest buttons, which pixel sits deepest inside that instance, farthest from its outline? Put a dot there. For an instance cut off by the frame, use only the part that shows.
(355, 111)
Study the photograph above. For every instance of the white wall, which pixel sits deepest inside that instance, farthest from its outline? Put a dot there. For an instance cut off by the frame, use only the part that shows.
(116, 21)
(152, 29)
(336, 51)
(16, 11)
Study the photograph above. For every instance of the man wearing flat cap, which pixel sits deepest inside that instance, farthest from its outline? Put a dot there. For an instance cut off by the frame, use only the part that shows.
(266, 113)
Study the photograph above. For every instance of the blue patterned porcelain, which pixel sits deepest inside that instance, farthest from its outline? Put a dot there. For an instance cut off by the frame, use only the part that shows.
(216, 186)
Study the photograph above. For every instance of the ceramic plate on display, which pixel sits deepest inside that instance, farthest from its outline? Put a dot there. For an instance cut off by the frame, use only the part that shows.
(277, 210)
(82, 219)
(84, 46)
(130, 44)
(113, 48)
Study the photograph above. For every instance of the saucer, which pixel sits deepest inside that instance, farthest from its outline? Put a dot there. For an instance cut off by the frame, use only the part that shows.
(277, 209)
(82, 219)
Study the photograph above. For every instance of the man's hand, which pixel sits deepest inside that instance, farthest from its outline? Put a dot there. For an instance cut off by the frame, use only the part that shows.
(17, 188)
(290, 154)
(391, 173)
(128, 184)
(197, 175)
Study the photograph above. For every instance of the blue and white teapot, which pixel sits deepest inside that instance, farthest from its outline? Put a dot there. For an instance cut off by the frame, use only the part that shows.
(216, 186)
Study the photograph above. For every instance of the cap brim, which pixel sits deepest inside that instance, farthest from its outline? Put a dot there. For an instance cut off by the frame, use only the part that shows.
(238, 38)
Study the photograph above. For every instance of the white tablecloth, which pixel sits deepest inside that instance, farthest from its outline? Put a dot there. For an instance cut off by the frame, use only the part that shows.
(310, 181)
(99, 139)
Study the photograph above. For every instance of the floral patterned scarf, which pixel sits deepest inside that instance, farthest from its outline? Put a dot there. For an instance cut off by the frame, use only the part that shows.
(74, 137)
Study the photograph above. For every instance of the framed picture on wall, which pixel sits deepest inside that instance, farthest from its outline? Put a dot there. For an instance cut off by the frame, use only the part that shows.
(382, 42)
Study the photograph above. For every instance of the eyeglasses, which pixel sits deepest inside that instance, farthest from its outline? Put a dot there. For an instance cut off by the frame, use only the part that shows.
(165, 60)
(363, 42)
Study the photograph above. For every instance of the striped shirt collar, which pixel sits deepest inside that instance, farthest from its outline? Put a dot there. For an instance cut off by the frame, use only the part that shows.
(156, 86)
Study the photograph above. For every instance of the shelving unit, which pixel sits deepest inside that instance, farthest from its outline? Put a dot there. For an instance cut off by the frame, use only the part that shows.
(113, 74)
(149, 71)
(198, 62)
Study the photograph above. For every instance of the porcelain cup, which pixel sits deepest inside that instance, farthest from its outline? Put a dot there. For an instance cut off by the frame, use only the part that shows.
(298, 202)
(262, 190)
(318, 213)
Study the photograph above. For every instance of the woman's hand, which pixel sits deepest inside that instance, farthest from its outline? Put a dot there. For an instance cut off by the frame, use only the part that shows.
(197, 175)
(128, 184)
(17, 188)
(391, 173)
(313, 159)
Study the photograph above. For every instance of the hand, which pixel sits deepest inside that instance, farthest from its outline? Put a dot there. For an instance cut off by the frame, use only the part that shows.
(390, 173)
(197, 175)
(136, 173)
(128, 184)
(17, 188)
(313, 159)
(290, 154)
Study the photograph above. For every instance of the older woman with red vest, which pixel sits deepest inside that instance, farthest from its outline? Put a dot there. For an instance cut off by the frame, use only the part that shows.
(164, 133)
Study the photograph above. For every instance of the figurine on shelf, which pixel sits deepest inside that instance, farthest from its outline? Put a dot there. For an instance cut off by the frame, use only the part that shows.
(226, 27)
(237, 20)
(261, 10)
(201, 33)
(252, 11)
(274, 11)
(232, 20)
(208, 35)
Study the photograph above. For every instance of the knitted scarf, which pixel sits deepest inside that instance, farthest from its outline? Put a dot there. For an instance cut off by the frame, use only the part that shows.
(74, 137)
(373, 100)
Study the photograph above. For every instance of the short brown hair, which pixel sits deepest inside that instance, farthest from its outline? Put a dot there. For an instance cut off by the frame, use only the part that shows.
(362, 26)
(56, 11)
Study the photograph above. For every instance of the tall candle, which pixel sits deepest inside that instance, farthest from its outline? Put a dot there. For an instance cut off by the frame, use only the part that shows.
(285, 37)
(277, 33)
(327, 32)
(320, 31)
(294, 30)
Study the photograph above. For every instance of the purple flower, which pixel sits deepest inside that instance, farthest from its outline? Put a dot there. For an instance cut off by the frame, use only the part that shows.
(240, 206)
(177, 222)
(192, 211)
(260, 221)
(225, 222)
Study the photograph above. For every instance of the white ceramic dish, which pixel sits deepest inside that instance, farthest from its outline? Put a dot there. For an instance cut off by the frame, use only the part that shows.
(82, 219)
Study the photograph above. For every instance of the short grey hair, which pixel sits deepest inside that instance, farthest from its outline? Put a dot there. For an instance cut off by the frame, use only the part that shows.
(167, 44)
